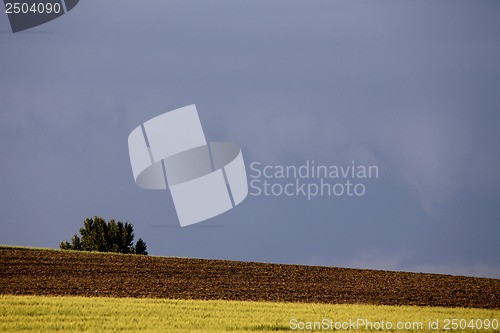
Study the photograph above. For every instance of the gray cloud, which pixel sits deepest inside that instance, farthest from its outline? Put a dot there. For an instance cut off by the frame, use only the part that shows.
(412, 87)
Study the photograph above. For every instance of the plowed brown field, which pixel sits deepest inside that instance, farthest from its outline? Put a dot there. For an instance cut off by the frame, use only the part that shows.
(45, 272)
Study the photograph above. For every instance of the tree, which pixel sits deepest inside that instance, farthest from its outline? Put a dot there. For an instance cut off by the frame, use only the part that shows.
(141, 247)
(99, 235)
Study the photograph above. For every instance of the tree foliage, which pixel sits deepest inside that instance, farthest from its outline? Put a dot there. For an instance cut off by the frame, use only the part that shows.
(141, 247)
(99, 235)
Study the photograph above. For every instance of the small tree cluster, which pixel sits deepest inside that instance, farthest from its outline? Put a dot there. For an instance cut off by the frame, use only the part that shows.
(99, 235)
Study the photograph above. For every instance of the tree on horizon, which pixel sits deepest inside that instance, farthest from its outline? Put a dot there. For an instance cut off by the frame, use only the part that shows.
(99, 235)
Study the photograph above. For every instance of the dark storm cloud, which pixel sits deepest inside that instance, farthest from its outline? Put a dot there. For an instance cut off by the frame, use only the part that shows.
(409, 86)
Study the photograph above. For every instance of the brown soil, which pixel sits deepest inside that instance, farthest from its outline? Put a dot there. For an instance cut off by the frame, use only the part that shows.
(45, 272)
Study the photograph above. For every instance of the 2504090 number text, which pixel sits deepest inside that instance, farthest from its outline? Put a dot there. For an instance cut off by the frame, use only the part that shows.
(35, 8)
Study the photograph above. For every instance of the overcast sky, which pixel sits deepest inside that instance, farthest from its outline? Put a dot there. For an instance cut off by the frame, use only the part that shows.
(410, 86)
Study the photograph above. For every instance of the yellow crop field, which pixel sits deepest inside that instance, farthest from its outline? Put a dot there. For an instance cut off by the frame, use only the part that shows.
(103, 314)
